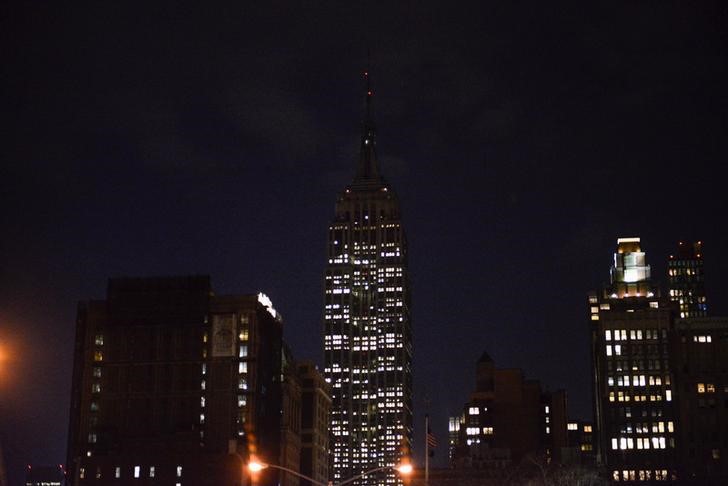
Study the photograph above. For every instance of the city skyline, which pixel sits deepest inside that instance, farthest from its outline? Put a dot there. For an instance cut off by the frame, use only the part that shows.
(521, 143)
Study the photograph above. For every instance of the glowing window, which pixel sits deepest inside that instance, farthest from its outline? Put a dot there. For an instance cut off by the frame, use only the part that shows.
(701, 387)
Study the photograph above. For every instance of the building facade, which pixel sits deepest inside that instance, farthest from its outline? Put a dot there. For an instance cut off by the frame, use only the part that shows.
(634, 392)
(367, 329)
(315, 411)
(506, 419)
(687, 281)
(700, 346)
(173, 385)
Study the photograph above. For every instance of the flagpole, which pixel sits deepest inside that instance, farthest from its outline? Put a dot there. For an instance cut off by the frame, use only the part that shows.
(427, 450)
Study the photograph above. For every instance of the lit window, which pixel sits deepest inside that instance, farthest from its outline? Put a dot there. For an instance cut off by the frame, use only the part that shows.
(82, 473)
(97, 372)
(607, 335)
(137, 471)
(243, 351)
(99, 340)
(488, 430)
(572, 426)
(710, 388)
(473, 411)
(151, 471)
(117, 472)
(98, 356)
(179, 471)
(701, 387)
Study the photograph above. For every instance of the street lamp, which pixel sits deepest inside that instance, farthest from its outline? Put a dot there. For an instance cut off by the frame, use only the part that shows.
(404, 468)
(255, 466)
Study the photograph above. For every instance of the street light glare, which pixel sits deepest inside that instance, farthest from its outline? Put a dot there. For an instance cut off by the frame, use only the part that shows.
(255, 466)
(405, 468)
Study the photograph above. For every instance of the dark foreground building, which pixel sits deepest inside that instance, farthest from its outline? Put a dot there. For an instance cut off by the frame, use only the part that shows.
(701, 349)
(173, 385)
(507, 421)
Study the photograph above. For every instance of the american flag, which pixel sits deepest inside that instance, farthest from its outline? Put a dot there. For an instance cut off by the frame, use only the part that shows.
(431, 441)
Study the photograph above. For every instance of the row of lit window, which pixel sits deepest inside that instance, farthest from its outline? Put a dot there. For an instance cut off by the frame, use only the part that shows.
(637, 380)
(625, 397)
(637, 365)
(648, 427)
(640, 475)
(639, 443)
(634, 334)
(136, 472)
(705, 388)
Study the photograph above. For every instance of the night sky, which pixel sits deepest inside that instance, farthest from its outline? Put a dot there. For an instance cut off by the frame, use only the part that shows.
(522, 139)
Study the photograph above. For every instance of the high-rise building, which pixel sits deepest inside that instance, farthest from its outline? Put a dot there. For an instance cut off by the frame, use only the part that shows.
(634, 381)
(173, 385)
(368, 339)
(687, 283)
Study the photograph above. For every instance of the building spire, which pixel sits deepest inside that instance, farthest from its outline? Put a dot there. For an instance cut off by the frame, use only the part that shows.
(368, 170)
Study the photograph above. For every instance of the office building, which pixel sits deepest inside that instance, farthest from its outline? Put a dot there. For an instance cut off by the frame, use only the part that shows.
(174, 385)
(290, 449)
(367, 331)
(315, 410)
(506, 419)
(687, 281)
(701, 350)
(635, 411)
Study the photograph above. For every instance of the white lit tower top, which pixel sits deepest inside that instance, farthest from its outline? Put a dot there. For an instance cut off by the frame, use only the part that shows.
(367, 331)
(630, 274)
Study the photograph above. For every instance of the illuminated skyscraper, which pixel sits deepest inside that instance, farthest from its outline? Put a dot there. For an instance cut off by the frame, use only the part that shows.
(368, 338)
(687, 285)
(634, 379)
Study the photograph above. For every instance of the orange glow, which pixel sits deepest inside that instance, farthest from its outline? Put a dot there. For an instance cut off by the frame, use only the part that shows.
(405, 468)
(255, 466)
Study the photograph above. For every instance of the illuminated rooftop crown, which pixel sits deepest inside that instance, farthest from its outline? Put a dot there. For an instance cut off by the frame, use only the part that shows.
(629, 262)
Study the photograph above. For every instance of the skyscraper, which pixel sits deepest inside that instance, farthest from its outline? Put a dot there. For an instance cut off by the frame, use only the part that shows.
(368, 338)
(687, 285)
(634, 380)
